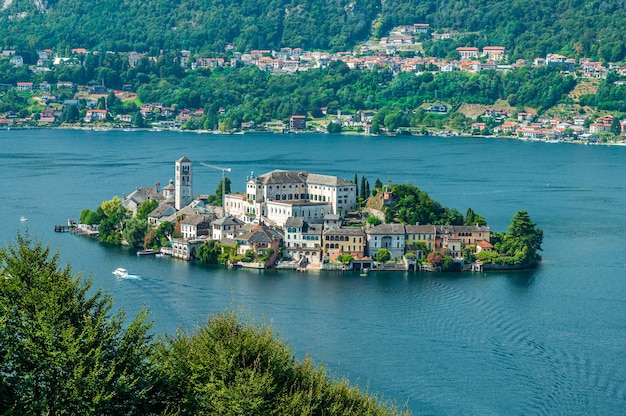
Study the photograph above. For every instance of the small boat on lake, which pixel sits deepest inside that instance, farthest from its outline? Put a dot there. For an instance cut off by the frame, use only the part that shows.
(147, 252)
(23, 219)
(120, 272)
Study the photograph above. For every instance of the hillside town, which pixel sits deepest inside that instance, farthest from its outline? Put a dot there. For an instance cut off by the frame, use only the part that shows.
(297, 220)
(399, 52)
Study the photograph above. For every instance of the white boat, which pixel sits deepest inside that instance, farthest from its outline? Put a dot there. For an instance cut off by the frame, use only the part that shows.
(23, 219)
(120, 272)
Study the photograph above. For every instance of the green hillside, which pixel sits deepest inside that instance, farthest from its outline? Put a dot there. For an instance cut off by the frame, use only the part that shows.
(527, 28)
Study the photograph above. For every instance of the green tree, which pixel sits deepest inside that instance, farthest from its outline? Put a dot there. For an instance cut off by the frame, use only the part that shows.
(383, 255)
(114, 215)
(146, 208)
(135, 231)
(345, 258)
(523, 228)
(218, 190)
(374, 220)
(63, 352)
(209, 252)
(616, 127)
(90, 217)
(333, 127)
(138, 119)
(71, 114)
(363, 194)
(232, 366)
(471, 218)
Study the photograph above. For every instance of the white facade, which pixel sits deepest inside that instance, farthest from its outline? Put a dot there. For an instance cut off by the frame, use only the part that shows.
(184, 194)
(279, 194)
(389, 236)
(278, 212)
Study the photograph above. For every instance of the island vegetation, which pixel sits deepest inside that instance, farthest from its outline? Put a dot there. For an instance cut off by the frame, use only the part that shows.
(65, 351)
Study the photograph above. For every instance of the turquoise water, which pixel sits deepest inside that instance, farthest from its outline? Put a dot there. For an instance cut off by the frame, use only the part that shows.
(548, 341)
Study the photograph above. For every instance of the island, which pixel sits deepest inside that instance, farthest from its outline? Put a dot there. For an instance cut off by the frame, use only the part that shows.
(300, 220)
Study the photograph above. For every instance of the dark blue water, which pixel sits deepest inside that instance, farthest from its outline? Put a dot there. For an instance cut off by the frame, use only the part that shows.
(544, 342)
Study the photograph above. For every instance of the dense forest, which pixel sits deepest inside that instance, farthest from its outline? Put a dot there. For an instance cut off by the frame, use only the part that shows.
(527, 28)
(66, 352)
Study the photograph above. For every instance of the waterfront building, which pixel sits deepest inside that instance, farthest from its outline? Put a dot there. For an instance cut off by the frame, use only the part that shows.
(194, 226)
(389, 236)
(275, 196)
(259, 238)
(454, 237)
(344, 240)
(302, 240)
(421, 234)
(184, 190)
(226, 227)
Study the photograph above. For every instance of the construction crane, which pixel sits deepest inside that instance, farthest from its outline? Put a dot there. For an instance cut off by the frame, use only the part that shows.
(224, 170)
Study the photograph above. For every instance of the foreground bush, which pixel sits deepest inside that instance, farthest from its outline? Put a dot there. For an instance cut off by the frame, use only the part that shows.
(62, 352)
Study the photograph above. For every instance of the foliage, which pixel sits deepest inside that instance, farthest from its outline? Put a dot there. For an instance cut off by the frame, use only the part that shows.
(209, 252)
(345, 258)
(374, 220)
(519, 246)
(231, 366)
(146, 208)
(449, 265)
(267, 254)
(415, 206)
(435, 258)
(112, 223)
(218, 190)
(90, 217)
(471, 218)
(334, 127)
(159, 237)
(63, 352)
(383, 255)
(135, 231)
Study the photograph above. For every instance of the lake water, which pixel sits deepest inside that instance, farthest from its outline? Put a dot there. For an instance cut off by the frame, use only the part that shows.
(545, 342)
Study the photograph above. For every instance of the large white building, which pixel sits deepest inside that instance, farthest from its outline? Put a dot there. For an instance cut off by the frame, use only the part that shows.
(280, 194)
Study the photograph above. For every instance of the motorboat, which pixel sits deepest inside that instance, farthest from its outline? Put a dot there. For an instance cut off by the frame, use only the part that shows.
(147, 252)
(23, 219)
(120, 272)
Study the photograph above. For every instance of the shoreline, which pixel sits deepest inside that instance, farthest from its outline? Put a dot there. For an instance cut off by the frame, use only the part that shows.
(252, 132)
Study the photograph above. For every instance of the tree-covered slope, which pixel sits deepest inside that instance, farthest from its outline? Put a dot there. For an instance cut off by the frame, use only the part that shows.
(188, 24)
(526, 28)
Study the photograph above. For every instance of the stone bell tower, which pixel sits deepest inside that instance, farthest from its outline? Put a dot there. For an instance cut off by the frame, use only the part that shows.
(184, 191)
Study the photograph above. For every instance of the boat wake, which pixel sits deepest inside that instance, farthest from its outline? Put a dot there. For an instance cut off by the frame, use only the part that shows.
(130, 276)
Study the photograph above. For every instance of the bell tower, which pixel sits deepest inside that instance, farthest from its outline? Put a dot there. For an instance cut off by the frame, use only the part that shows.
(184, 194)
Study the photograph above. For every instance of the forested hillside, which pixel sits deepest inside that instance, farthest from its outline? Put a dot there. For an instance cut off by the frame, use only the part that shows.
(527, 28)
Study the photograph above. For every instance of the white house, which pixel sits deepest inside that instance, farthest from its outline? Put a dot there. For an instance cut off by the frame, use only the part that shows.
(389, 236)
